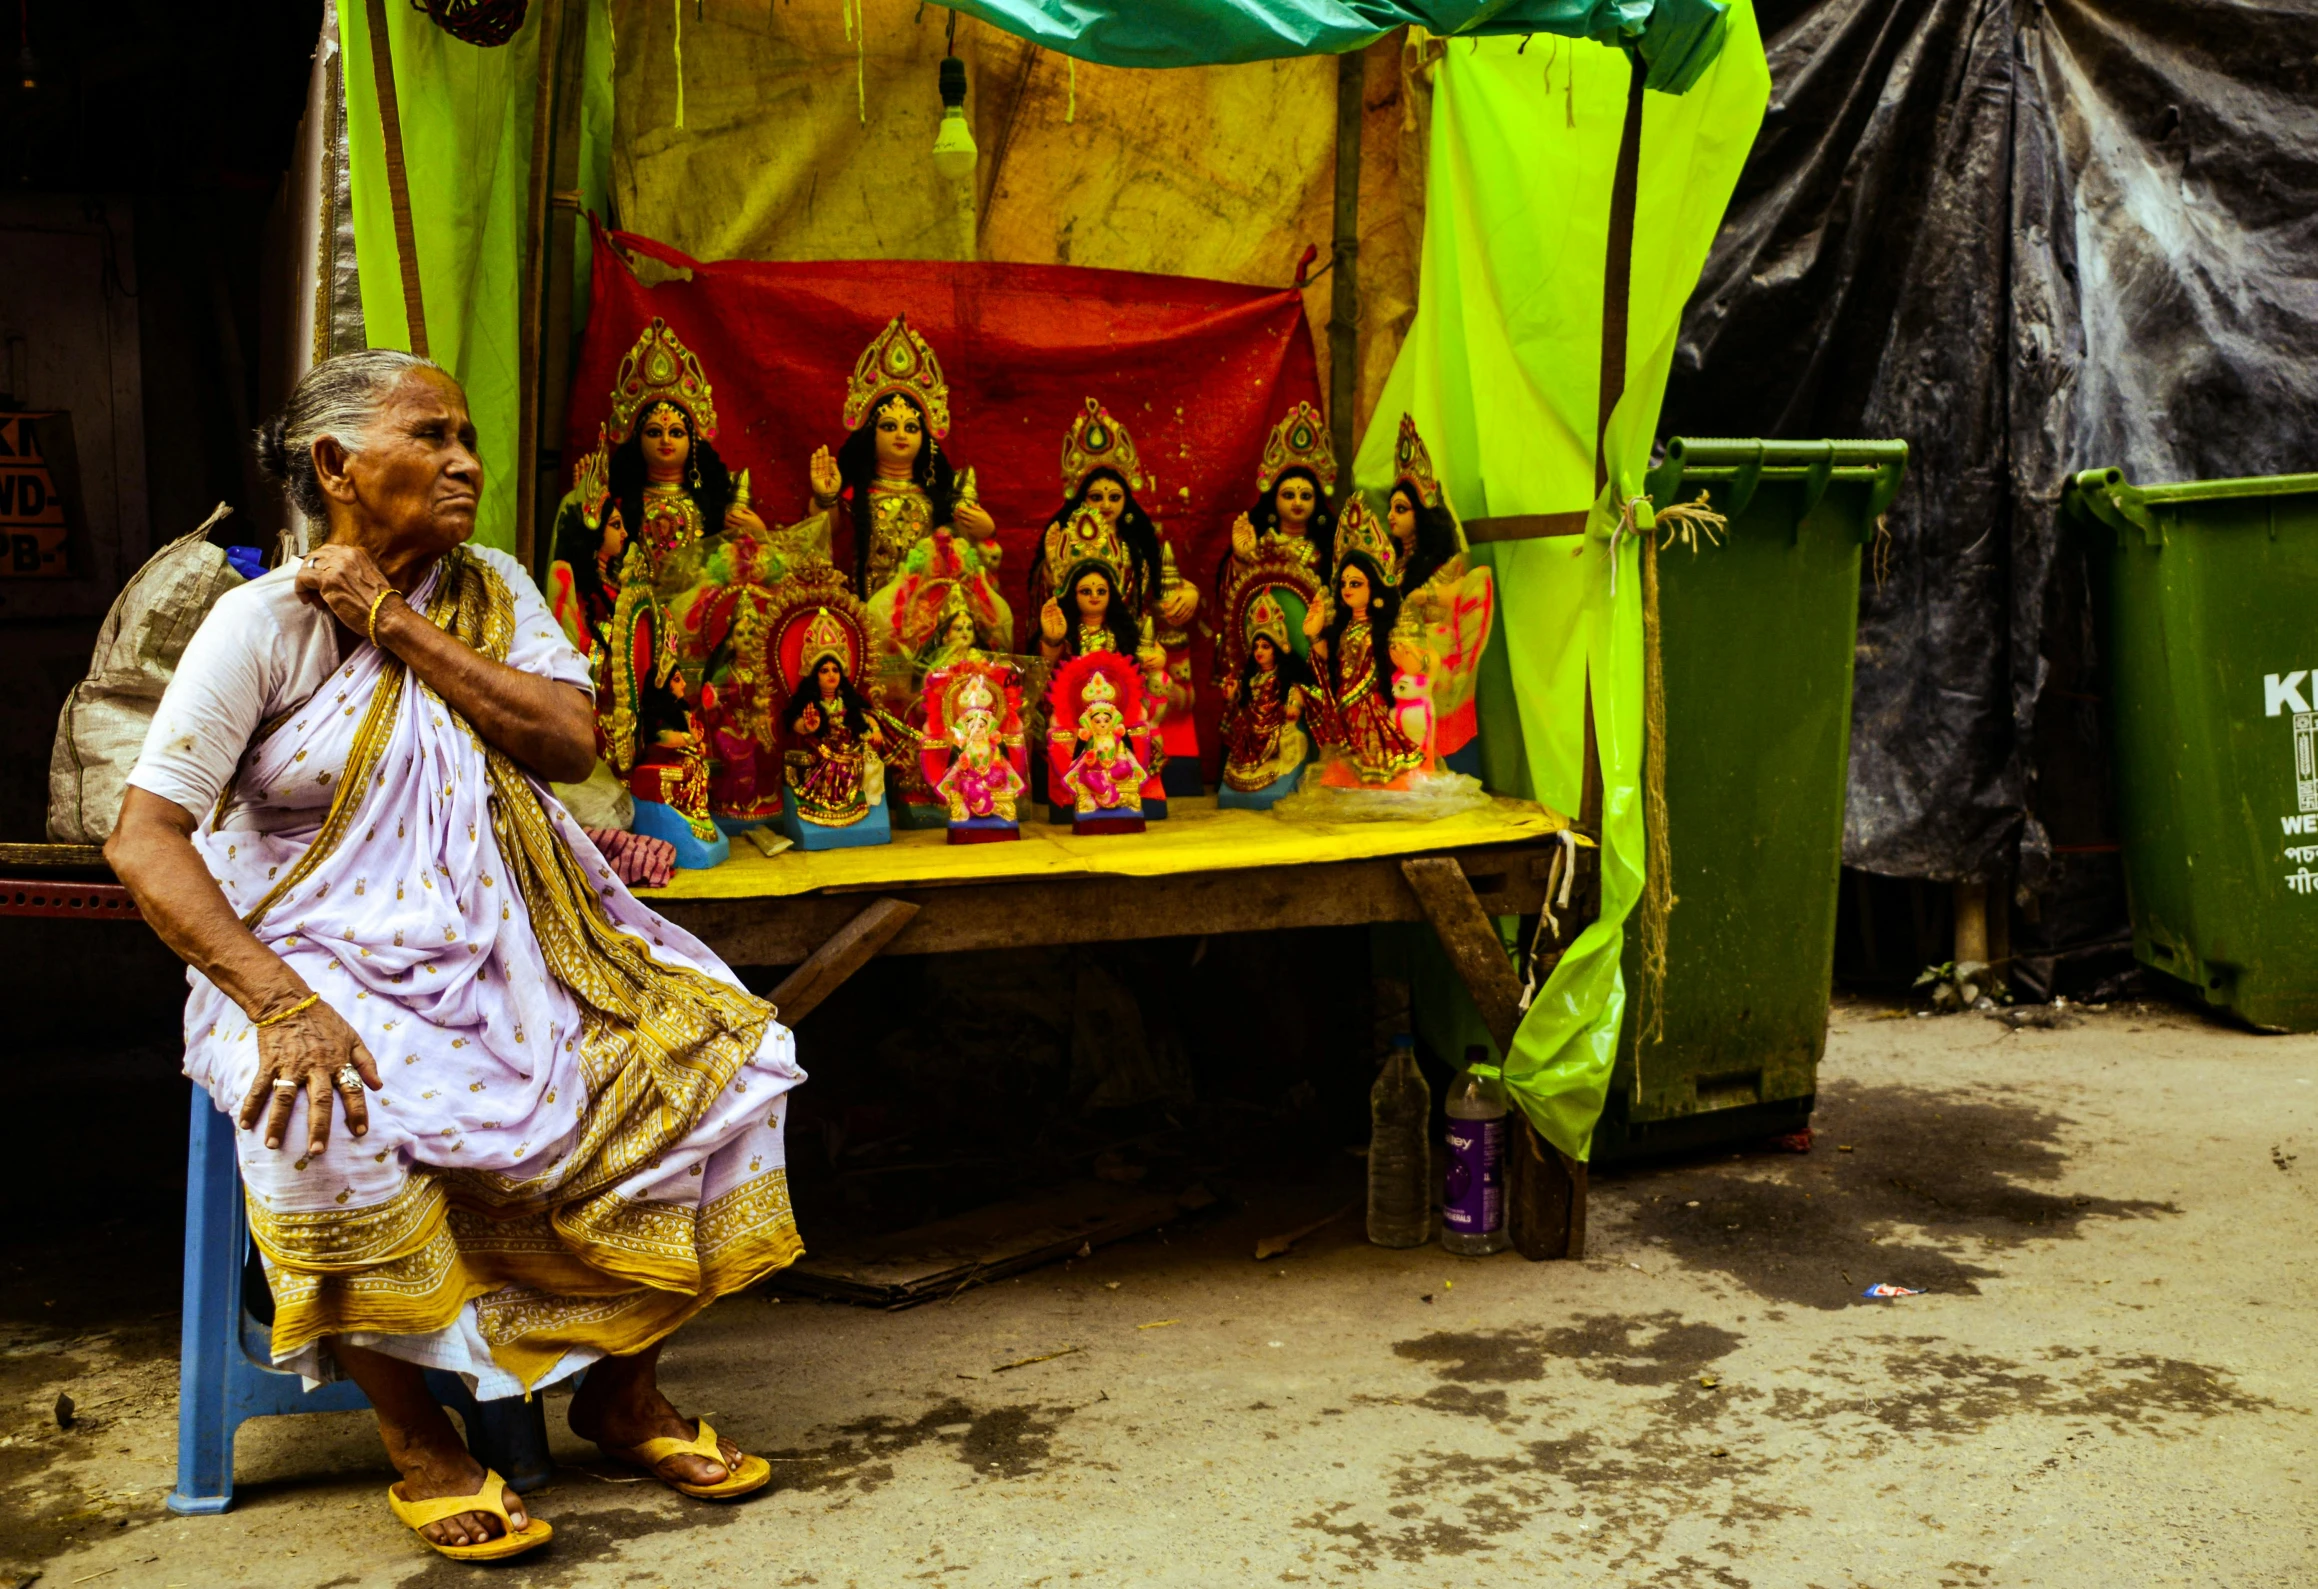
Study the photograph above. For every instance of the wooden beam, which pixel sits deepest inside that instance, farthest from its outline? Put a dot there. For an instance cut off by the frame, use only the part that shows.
(1471, 940)
(406, 248)
(854, 946)
(1508, 879)
(527, 324)
(1344, 306)
(1546, 1205)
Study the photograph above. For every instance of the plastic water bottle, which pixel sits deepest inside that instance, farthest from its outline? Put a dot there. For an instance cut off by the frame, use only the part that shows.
(1473, 1190)
(1400, 1177)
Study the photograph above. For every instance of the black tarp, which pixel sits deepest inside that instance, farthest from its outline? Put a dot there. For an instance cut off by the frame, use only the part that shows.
(2027, 238)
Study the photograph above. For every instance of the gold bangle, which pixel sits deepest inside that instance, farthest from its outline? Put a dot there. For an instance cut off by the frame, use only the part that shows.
(375, 603)
(306, 1003)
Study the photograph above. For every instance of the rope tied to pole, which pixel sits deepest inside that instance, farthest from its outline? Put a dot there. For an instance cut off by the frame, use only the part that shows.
(1685, 524)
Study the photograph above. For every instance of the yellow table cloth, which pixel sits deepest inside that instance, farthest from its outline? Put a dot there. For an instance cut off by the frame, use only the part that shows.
(1197, 836)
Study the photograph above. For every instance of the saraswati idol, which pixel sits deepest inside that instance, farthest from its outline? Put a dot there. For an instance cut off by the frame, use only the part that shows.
(649, 725)
(833, 767)
(974, 758)
(1445, 607)
(1265, 675)
(1374, 710)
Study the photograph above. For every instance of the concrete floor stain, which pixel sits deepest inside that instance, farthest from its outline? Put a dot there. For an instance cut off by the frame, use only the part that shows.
(1959, 1171)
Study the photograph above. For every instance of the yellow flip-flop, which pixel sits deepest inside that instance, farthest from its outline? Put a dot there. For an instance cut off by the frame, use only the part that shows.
(492, 1497)
(752, 1473)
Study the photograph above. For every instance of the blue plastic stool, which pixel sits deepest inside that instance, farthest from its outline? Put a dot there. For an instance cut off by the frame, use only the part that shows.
(224, 1368)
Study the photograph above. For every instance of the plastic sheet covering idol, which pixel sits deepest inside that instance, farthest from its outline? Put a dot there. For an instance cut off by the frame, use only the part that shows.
(2027, 238)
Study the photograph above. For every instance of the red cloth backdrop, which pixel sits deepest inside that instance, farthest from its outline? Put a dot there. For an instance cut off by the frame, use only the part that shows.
(1197, 371)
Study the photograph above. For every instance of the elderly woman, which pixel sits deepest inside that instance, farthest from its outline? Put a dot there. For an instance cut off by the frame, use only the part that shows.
(561, 1131)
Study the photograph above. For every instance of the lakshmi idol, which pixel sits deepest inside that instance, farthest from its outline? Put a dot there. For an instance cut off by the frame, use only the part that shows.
(1102, 474)
(654, 480)
(897, 484)
(1090, 615)
(1292, 486)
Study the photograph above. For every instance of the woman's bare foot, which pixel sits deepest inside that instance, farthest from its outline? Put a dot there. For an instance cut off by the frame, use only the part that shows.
(434, 1475)
(619, 1407)
(423, 1446)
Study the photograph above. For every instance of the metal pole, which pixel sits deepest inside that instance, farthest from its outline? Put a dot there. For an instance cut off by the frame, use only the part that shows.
(1344, 310)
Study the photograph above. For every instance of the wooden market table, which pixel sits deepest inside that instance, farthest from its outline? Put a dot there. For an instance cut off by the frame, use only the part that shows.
(1202, 870)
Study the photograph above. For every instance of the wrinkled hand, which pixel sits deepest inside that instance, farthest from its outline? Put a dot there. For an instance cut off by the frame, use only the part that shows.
(743, 519)
(344, 581)
(1051, 624)
(310, 1049)
(1243, 538)
(973, 521)
(827, 482)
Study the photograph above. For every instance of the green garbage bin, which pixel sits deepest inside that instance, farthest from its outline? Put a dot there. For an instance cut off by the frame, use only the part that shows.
(2212, 597)
(1756, 636)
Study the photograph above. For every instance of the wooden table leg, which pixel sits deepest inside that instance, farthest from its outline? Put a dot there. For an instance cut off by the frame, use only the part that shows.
(853, 946)
(1545, 1189)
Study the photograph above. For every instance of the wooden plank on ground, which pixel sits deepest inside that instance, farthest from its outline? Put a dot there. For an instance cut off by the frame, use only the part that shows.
(945, 1257)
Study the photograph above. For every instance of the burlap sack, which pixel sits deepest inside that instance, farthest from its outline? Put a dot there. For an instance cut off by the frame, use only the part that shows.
(102, 727)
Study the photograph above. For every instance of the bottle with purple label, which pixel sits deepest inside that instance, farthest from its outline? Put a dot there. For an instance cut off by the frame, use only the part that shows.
(1473, 1194)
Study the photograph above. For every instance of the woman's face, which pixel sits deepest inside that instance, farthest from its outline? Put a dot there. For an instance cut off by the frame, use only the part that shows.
(1108, 498)
(1352, 585)
(900, 435)
(1093, 593)
(1404, 519)
(1295, 499)
(960, 631)
(829, 676)
(1266, 654)
(667, 443)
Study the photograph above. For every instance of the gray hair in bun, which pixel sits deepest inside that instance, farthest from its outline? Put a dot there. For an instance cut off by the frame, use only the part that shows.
(340, 398)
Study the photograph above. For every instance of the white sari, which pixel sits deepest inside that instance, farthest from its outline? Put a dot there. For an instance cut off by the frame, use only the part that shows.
(578, 1144)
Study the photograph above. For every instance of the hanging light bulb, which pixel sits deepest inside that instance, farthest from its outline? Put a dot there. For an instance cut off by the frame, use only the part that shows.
(954, 148)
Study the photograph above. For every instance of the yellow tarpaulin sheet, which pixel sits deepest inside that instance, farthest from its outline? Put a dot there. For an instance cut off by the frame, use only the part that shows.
(1196, 837)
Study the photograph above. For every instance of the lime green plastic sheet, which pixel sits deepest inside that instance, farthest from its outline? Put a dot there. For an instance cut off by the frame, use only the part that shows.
(466, 115)
(1675, 38)
(1502, 370)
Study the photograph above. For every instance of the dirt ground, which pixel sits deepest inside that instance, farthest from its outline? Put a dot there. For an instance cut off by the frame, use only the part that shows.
(2109, 1379)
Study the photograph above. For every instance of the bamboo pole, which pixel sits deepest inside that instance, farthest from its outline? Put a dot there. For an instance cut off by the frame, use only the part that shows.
(1344, 309)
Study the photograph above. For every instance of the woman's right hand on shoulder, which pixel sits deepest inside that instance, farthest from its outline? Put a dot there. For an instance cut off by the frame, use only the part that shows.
(314, 1052)
(343, 580)
(827, 482)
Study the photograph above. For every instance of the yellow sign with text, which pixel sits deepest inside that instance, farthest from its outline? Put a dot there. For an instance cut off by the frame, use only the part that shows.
(33, 529)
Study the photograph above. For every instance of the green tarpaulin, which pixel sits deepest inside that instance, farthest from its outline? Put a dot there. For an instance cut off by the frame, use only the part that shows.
(1677, 39)
(466, 137)
(1502, 371)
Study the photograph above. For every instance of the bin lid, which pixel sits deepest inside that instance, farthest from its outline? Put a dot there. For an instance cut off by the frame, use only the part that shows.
(2105, 496)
